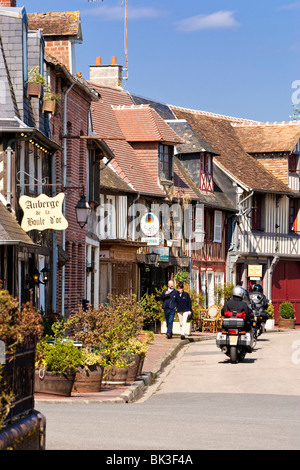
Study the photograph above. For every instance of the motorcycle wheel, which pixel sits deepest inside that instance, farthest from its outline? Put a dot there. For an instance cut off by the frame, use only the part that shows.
(259, 332)
(233, 355)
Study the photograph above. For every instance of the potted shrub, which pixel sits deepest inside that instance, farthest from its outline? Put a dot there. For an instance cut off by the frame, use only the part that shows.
(134, 356)
(286, 317)
(270, 323)
(56, 366)
(50, 100)
(35, 83)
(89, 374)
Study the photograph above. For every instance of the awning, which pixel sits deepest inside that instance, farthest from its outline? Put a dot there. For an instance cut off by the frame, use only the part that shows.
(11, 232)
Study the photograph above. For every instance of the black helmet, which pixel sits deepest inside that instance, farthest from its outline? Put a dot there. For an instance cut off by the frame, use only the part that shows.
(257, 288)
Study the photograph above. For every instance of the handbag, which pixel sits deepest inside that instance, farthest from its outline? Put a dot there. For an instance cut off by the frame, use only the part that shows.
(190, 316)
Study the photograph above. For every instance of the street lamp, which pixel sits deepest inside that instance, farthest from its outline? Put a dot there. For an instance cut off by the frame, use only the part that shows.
(36, 275)
(82, 210)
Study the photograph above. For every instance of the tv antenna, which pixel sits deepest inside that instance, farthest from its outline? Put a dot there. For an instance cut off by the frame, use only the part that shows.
(126, 35)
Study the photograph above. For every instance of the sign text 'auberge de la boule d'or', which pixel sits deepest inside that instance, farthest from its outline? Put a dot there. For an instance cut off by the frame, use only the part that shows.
(43, 212)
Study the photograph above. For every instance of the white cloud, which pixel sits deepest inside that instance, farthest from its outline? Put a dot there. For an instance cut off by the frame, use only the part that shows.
(217, 20)
(290, 6)
(117, 12)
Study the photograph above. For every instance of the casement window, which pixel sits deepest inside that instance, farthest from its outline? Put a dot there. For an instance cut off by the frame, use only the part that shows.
(165, 157)
(113, 212)
(213, 226)
(218, 227)
(206, 173)
(257, 212)
(293, 215)
(293, 163)
(122, 213)
(209, 225)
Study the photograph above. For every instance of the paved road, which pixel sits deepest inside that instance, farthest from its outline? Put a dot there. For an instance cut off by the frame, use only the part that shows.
(201, 401)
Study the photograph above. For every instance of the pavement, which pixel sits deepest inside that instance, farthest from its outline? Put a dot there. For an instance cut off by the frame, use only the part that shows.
(160, 352)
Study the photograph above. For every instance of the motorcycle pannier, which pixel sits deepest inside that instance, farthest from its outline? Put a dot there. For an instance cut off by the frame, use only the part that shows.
(233, 323)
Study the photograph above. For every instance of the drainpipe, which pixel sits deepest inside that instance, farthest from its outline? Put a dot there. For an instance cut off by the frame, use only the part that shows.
(64, 181)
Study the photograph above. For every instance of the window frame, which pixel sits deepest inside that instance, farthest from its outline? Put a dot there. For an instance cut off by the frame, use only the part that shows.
(164, 151)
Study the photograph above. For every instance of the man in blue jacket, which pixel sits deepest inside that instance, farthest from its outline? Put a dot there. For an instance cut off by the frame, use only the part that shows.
(168, 297)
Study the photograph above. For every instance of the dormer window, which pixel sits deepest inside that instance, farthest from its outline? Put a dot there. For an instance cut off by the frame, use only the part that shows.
(206, 173)
(165, 156)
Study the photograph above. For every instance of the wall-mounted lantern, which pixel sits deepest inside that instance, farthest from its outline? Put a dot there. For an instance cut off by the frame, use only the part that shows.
(82, 210)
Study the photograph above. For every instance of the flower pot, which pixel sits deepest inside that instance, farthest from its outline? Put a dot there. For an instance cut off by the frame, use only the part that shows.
(176, 328)
(286, 323)
(88, 380)
(34, 89)
(53, 383)
(115, 376)
(48, 106)
(270, 323)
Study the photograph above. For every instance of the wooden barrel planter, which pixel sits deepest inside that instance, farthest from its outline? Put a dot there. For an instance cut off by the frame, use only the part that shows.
(286, 323)
(115, 376)
(53, 383)
(133, 364)
(88, 380)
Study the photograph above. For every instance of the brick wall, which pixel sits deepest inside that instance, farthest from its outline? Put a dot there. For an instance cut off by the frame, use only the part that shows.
(8, 3)
(77, 116)
(148, 153)
(60, 49)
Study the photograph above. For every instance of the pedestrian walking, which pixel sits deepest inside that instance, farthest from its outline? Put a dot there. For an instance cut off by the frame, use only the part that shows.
(168, 297)
(184, 307)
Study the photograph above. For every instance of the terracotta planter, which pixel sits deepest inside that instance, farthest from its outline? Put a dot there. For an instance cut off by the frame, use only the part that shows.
(34, 89)
(53, 383)
(115, 376)
(88, 380)
(49, 106)
(286, 323)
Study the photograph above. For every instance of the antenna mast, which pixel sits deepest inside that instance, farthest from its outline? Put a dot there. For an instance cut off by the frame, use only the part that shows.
(126, 36)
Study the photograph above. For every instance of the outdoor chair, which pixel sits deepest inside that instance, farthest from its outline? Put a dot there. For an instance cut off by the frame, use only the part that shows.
(211, 319)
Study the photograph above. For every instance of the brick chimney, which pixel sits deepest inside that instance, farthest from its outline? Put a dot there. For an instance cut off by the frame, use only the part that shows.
(109, 75)
(8, 3)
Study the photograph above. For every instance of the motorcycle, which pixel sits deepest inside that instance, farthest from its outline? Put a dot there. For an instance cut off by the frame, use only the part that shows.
(233, 340)
(259, 320)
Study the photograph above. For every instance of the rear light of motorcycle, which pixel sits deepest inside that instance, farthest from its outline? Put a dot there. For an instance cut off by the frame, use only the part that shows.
(233, 332)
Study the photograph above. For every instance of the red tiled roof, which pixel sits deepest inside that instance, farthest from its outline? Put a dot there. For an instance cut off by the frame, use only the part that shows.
(65, 23)
(127, 163)
(143, 124)
(268, 137)
(232, 157)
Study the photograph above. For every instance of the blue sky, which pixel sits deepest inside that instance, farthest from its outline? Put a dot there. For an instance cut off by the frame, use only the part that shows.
(233, 57)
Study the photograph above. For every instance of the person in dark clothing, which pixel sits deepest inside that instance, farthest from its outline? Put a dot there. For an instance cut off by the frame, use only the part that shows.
(258, 298)
(168, 297)
(237, 305)
(184, 307)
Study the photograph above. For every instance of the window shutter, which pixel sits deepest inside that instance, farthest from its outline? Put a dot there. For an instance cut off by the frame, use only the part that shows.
(218, 227)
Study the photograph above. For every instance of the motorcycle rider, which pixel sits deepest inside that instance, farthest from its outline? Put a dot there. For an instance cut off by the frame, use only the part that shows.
(259, 301)
(258, 298)
(238, 305)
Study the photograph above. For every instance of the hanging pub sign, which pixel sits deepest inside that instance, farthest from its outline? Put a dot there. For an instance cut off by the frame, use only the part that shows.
(150, 224)
(43, 212)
